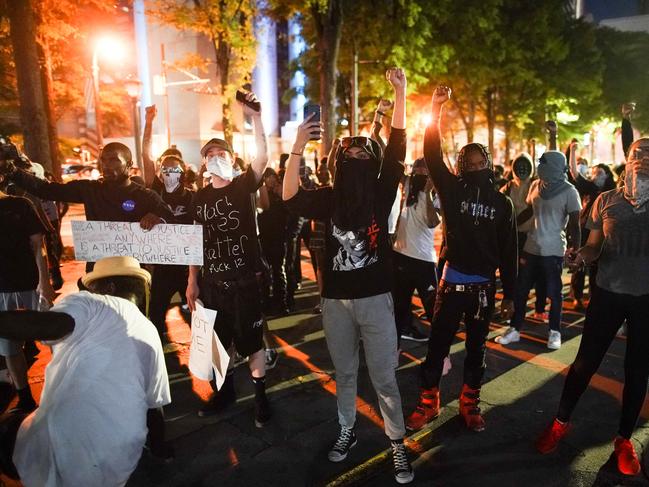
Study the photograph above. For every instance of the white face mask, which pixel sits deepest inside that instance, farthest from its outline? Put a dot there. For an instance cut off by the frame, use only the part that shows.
(221, 167)
(583, 170)
(600, 180)
(171, 181)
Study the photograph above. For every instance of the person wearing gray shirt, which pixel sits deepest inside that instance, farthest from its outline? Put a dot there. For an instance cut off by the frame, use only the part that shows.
(619, 241)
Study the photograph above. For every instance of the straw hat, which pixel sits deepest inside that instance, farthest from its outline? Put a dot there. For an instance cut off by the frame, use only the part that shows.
(116, 266)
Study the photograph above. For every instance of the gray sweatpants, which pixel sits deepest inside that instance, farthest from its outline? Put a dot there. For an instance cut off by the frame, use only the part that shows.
(344, 321)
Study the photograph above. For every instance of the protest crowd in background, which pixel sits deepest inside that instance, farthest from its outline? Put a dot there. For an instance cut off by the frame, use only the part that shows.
(369, 224)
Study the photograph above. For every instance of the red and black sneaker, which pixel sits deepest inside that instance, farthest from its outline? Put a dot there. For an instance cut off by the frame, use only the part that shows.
(627, 460)
(470, 409)
(427, 409)
(551, 436)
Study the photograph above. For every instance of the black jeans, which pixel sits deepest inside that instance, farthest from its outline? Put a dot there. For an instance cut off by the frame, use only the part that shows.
(274, 249)
(411, 274)
(167, 280)
(605, 314)
(450, 307)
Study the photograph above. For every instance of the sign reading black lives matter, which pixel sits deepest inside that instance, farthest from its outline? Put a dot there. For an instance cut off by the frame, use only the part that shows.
(170, 244)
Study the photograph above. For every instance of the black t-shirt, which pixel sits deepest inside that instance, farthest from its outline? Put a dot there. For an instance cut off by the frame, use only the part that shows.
(273, 220)
(179, 201)
(230, 244)
(101, 201)
(18, 270)
(358, 264)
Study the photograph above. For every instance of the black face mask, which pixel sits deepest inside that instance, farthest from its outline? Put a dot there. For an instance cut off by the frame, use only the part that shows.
(354, 192)
(522, 169)
(480, 178)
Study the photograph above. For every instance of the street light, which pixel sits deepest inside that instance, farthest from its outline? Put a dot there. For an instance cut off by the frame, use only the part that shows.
(133, 88)
(112, 49)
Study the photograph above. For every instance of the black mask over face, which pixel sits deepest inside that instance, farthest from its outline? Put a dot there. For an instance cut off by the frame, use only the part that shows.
(483, 177)
(417, 184)
(522, 168)
(354, 192)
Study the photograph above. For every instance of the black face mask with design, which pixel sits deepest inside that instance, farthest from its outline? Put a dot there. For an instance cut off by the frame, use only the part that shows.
(354, 192)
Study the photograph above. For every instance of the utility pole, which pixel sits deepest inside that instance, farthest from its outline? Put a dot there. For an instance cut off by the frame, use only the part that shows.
(354, 121)
(166, 95)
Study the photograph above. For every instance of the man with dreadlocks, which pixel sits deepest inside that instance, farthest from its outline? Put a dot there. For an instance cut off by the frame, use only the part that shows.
(480, 236)
(356, 273)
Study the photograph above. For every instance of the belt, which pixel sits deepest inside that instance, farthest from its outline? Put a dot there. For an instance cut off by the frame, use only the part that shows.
(447, 287)
(232, 284)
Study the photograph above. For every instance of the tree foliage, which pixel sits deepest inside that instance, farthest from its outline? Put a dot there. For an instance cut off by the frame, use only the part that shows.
(229, 26)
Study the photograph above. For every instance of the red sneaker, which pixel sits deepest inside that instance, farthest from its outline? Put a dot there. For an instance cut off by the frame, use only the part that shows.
(627, 460)
(551, 436)
(426, 411)
(469, 409)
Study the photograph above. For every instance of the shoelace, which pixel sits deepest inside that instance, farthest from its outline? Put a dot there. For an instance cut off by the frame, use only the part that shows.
(399, 457)
(343, 439)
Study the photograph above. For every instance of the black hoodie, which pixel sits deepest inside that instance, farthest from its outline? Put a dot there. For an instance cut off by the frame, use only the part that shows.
(479, 222)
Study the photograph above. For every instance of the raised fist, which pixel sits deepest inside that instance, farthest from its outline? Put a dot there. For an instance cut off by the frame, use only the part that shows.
(441, 95)
(628, 109)
(551, 126)
(397, 78)
(150, 113)
(384, 105)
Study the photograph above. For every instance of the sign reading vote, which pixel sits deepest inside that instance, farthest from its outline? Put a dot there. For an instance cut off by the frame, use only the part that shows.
(164, 244)
(207, 356)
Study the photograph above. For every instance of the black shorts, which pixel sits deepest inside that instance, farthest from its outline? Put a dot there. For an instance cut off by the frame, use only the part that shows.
(238, 319)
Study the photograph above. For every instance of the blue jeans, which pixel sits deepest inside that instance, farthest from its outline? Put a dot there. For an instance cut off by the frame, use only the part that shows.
(531, 266)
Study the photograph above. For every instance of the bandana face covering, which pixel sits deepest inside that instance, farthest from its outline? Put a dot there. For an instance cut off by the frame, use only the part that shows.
(636, 186)
(171, 180)
(221, 167)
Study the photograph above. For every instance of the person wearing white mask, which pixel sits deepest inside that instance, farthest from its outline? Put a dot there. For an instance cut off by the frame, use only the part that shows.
(227, 281)
(170, 279)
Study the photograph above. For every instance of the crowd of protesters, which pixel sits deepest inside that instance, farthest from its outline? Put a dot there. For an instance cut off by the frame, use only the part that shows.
(370, 230)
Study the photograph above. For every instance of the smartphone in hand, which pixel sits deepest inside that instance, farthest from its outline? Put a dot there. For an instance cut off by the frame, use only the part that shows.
(308, 110)
(241, 97)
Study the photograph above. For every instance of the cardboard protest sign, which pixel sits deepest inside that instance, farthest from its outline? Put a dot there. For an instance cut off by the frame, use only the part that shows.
(171, 244)
(207, 356)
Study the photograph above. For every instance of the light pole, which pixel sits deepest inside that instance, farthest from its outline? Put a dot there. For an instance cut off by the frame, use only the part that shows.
(95, 95)
(105, 46)
(133, 87)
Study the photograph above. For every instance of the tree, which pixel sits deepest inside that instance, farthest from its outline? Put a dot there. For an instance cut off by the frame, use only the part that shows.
(34, 107)
(229, 26)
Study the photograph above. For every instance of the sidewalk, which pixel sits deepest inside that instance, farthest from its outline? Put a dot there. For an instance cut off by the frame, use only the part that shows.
(520, 395)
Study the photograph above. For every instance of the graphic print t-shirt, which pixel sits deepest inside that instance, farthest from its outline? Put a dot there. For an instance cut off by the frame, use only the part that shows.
(179, 201)
(229, 230)
(358, 263)
(623, 265)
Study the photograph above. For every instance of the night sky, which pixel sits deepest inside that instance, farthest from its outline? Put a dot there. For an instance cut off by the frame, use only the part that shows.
(606, 9)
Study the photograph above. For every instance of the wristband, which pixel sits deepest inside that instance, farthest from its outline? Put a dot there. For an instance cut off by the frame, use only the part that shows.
(297, 154)
(380, 113)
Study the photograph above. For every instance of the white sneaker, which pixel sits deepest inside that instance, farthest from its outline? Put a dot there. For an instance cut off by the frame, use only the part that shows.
(554, 340)
(512, 335)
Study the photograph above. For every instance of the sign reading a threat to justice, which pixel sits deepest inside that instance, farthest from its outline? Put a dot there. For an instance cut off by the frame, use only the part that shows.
(170, 244)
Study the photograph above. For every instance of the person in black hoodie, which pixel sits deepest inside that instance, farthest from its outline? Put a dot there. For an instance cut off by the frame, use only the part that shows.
(480, 235)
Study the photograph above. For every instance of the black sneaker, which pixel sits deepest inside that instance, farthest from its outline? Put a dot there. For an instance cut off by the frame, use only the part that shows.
(220, 400)
(271, 358)
(263, 412)
(345, 442)
(413, 334)
(403, 472)
(162, 454)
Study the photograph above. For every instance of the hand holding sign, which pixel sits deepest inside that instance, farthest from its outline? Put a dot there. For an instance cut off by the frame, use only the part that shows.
(207, 356)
